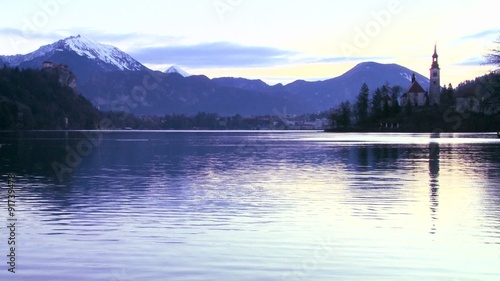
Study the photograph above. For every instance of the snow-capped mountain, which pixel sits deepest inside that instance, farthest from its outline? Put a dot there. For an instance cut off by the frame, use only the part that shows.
(84, 56)
(176, 69)
(108, 54)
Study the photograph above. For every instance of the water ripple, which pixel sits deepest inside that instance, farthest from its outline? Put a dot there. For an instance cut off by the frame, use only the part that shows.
(261, 206)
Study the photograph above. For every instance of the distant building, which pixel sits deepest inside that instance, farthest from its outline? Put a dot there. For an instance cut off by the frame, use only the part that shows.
(47, 64)
(321, 124)
(416, 95)
(389, 124)
(66, 77)
(434, 87)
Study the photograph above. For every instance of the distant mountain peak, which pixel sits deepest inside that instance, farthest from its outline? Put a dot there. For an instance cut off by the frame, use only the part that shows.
(107, 56)
(106, 53)
(371, 68)
(176, 69)
(368, 63)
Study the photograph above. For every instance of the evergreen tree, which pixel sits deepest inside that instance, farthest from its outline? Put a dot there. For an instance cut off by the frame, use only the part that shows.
(408, 108)
(377, 103)
(447, 94)
(362, 104)
(345, 114)
(395, 91)
(386, 111)
(341, 116)
(34, 99)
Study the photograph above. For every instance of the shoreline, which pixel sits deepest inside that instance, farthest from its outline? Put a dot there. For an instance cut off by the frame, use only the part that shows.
(351, 130)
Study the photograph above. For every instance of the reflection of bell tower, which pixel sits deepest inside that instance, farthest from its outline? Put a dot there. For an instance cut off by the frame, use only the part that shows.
(434, 86)
(434, 182)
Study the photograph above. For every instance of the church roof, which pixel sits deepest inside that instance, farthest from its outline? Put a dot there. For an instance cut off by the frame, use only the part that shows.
(386, 98)
(415, 88)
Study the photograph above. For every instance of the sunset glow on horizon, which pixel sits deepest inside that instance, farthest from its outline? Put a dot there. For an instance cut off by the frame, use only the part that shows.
(276, 41)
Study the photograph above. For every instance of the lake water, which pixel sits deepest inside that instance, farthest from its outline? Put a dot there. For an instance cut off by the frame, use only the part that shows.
(251, 206)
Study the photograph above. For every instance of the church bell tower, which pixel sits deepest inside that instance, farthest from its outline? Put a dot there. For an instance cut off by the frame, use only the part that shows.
(434, 88)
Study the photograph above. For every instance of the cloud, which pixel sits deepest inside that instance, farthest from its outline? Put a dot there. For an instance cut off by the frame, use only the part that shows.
(105, 36)
(143, 39)
(475, 61)
(9, 32)
(168, 50)
(99, 36)
(226, 54)
(64, 33)
(350, 59)
(164, 49)
(483, 34)
(217, 54)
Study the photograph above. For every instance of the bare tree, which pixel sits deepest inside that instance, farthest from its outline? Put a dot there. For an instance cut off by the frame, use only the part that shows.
(493, 57)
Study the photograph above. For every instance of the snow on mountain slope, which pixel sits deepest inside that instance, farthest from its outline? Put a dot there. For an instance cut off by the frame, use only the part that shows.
(176, 69)
(106, 53)
(406, 76)
(84, 47)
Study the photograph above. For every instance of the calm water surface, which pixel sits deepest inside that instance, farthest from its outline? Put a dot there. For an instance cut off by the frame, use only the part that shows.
(252, 206)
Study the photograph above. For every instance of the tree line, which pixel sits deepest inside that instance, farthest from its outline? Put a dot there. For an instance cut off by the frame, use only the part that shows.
(35, 99)
(370, 111)
(367, 109)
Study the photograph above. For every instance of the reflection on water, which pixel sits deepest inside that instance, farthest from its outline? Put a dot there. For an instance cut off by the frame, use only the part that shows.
(434, 182)
(254, 205)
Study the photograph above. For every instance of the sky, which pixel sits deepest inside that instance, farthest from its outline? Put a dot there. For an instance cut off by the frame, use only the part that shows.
(277, 41)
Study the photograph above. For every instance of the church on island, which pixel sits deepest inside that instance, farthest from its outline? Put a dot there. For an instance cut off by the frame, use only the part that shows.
(416, 95)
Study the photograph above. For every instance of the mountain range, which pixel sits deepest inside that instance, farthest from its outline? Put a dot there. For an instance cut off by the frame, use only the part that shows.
(113, 80)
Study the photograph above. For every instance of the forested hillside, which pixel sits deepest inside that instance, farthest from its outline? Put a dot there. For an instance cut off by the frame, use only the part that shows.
(38, 99)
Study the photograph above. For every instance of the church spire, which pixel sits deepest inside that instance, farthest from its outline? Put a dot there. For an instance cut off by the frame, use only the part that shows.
(435, 59)
(434, 87)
